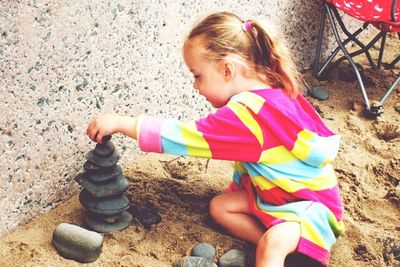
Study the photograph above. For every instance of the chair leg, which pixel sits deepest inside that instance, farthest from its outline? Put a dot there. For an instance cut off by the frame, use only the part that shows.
(353, 38)
(319, 45)
(394, 62)
(349, 58)
(389, 91)
(381, 50)
(329, 64)
(364, 49)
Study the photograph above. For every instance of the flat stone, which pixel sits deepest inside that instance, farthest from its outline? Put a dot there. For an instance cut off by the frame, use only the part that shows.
(112, 187)
(104, 206)
(76, 243)
(195, 262)
(101, 225)
(92, 168)
(104, 174)
(204, 250)
(105, 162)
(397, 107)
(319, 93)
(232, 258)
(147, 217)
(106, 139)
(104, 149)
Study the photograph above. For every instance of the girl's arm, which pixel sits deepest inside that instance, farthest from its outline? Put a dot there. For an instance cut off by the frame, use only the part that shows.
(108, 124)
(221, 135)
(231, 133)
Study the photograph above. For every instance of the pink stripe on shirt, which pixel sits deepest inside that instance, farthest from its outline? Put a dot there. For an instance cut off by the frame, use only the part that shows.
(150, 134)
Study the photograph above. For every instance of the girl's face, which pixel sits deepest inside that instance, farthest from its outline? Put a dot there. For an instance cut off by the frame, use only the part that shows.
(209, 76)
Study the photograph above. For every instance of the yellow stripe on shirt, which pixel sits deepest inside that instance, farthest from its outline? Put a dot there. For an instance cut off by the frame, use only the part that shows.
(248, 120)
(276, 155)
(289, 185)
(198, 144)
(262, 182)
(251, 100)
(302, 146)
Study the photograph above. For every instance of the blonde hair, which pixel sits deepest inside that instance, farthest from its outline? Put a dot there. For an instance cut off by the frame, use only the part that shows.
(258, 48)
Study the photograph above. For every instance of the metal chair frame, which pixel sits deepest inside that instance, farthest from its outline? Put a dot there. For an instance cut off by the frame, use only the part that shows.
(334, 18)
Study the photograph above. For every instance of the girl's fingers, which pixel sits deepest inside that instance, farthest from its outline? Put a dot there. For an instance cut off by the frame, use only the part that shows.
(93, 131)
(93, 137)
(90, 131)
(96, 129)
(98, 137)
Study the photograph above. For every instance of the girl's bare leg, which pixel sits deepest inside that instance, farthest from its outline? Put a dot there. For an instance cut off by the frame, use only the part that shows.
(278, 242)
(232, 211)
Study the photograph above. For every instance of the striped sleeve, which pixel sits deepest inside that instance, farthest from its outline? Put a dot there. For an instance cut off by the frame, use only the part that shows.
(231, 133)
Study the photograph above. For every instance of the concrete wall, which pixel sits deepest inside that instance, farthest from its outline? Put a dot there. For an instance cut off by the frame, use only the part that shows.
(62, 62)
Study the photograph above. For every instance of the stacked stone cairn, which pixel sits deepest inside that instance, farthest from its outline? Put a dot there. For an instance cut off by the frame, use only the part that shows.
(103, 190)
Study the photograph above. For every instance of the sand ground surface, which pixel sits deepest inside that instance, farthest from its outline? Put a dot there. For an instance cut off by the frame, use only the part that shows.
(367, 167)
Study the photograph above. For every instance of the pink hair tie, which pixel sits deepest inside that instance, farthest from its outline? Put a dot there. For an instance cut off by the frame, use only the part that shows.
(246, 26)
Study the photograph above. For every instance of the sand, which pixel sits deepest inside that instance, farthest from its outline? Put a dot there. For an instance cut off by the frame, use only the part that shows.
(180, 188)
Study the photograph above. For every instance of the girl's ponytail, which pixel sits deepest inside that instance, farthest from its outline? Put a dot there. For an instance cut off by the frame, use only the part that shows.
(272, 58)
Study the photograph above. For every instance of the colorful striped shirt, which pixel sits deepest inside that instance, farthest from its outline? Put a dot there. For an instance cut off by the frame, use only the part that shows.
(283, 155)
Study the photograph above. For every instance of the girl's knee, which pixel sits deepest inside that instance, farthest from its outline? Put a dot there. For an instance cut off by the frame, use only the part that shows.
(269, 242)
(282, 238)
(216, 207)
(226, 204)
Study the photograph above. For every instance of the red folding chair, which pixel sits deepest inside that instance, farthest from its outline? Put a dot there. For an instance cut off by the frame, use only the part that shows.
(383, 15)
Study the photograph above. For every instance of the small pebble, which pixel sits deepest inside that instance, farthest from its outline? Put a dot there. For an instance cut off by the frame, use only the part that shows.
(204, 250)
(397, 107)
(319, 93)
(193, 261)
(232, 258)
(77, 243)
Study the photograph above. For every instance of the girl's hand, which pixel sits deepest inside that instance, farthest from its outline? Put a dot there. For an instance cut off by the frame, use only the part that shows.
(101, 126)
(108, 124)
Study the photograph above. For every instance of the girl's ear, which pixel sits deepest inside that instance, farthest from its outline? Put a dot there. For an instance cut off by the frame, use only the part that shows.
(229, 70)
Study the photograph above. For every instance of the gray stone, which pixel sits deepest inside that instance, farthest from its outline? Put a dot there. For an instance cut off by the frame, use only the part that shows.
(105, 206)
(192, 261)
(76, 243)
(104, 149)
(106, 139)
(319, 93)
(112, 187)
(232, 258)
(92, 168)
(101, 161)
(103, 175)
(204, 250)
(108, 225)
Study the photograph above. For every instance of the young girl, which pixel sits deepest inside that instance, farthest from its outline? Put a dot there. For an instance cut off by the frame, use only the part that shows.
(284, 196)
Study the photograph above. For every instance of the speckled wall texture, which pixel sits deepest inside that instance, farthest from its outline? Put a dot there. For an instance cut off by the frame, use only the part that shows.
(62, 62)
